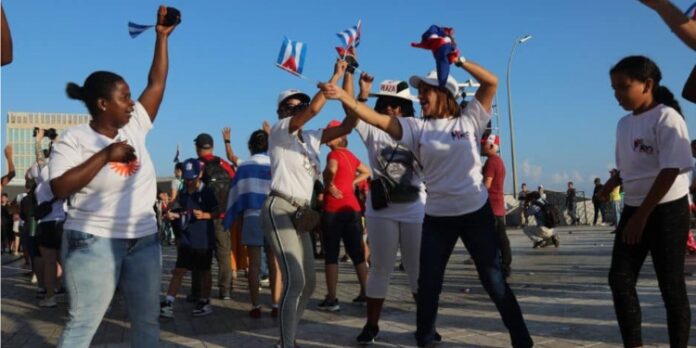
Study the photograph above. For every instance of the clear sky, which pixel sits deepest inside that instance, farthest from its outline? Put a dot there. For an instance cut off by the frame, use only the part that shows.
(222, 69)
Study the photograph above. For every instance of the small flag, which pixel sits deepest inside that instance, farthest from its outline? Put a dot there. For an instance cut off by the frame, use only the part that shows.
(351, 36)
(177, 157)
(439, 40)
(691, 12)
(292, 56)
(136, 29)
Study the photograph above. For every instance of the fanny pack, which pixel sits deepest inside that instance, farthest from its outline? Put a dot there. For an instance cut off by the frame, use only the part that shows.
(305, 219)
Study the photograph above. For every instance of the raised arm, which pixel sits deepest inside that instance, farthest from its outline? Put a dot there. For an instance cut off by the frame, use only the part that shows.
(157, 79)
(679, 23)
(388, 124)
(80, 176)
(350, 121)
(489, 82)
(10, 166)
(226, 137)
(6, 39)
(317, 102)
(689, 92)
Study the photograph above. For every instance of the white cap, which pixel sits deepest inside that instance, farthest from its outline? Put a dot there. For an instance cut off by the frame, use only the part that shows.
(452, 86)
(293, 93)
(396, 89)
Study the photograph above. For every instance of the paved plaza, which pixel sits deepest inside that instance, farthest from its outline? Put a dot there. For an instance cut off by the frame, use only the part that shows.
(563, 293)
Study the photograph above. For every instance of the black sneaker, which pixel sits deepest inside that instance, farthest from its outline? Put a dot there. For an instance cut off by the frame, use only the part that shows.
(166, 309)
(555, 241)
(538, 244)
(368, 334)
(203, 307)
(329, 305)
(360, 300)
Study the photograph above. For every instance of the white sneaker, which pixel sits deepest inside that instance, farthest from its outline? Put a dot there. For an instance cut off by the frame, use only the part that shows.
(49, 302)
(33, 279)
(265, 281)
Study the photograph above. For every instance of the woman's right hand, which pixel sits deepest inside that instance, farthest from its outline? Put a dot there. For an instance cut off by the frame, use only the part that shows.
(331, 90)
(120, 152)
(335, 192)
(366, 81)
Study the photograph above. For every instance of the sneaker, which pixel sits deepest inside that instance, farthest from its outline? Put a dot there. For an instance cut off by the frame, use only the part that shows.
(255, 312)
(166, 309)
(265, 281)
(361, 300)
(329, 305)
(40, 293)
(555, 241)
(274, 312)
(225, 295)
(368, 334)
(538, 244)
(33, 279)
(203, 307)
(49, 302)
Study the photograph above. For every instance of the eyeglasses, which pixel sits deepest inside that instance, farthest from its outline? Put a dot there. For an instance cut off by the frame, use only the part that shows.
(296, 107)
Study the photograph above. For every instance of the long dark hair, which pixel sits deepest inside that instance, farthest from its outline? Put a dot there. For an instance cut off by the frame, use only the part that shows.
(641, 68)
(99, 84)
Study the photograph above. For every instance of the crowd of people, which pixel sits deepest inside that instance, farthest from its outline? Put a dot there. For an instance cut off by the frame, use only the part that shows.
(92, 221)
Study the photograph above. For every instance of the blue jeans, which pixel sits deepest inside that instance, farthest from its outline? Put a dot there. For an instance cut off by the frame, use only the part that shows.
(617, 212)
(477, 231)
(94, 266)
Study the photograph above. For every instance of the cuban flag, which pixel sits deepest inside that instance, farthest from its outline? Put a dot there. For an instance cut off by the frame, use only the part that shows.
(292, 56)
(439, 40)
(136, 29)
(691, 12)
(249, 187)
(351, 36)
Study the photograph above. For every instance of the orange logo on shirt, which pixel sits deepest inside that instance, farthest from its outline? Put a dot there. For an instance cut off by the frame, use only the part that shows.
(125, 169)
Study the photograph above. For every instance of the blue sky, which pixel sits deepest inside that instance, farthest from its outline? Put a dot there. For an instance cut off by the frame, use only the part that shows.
(222, 69)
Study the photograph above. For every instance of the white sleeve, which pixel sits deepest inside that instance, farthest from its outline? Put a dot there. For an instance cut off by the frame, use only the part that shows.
(140, 122)
(363, 129)
(411, 129)
(280, 132)
(313, 138)
(673, 142)
(65, 155)
(478, 114)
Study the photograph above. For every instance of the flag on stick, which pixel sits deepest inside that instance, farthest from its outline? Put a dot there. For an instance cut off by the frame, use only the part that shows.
(440, 41)
(292, 56)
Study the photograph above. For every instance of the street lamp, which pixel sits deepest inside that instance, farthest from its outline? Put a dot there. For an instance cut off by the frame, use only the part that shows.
(520, 40)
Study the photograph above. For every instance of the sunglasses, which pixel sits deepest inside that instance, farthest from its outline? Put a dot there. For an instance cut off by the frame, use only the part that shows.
(295, 107)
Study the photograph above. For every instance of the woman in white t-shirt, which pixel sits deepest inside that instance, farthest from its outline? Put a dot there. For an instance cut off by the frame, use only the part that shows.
(398, 225)
(446, 143)
(294, 154)
(653, 158)
(110, 235)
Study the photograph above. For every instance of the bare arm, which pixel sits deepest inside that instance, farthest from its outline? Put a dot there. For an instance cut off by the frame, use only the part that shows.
(317, 102)
(80, 176)
(7, 54)
(610, 185)
(226, 136)
(329, 175)
(489, 82)
(689, 92)
(10, 166)
(38, 151)
(364, 172)
(679, 23)
(488, 181)
(636, 224)
(157, 79)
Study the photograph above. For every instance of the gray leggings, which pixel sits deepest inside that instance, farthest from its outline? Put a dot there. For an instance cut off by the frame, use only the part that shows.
(294, 252)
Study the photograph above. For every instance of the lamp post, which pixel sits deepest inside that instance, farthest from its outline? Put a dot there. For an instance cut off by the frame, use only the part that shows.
(520, 40)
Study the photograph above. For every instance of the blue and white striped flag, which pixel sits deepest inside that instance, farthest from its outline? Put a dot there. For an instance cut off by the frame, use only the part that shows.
(136, 29)
(249, 187)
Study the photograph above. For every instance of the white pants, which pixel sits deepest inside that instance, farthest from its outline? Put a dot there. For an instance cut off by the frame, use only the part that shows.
(538, 233)
(385, 236)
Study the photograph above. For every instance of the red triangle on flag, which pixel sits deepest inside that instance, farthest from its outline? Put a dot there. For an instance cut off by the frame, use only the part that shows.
(290, 64)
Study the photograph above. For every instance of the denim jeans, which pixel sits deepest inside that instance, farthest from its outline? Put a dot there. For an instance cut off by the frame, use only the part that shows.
(477, 231)
(664, 237)
(617, 211)
(93, 268)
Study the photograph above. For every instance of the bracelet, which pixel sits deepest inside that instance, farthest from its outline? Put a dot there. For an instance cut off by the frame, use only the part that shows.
(362, 100)
(227, 141)
(460, 61)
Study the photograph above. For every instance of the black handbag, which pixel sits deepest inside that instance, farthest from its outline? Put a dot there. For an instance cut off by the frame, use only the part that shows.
(385, 190)
(42, 210)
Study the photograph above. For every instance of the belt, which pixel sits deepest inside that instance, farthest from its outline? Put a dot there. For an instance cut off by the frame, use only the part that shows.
(295, 202)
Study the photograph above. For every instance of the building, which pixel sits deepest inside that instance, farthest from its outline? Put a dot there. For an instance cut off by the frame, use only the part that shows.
(19, 131)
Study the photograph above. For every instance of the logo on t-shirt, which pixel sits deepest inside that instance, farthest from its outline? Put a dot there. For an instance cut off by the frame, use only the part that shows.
(458, 135)
(125, 169)
(639, 146)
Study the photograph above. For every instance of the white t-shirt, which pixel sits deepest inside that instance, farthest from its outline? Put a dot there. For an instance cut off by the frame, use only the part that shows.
(403, 168)
(647, 143)
(294, 164)
(44, 194)
(449, 151)
(118, 202)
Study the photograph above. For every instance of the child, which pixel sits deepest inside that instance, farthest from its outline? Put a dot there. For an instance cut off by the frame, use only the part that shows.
(653, 159)
(195, 250)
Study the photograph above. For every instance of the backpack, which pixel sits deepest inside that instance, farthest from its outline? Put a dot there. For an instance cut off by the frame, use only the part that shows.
(217, 178)
(550, 213)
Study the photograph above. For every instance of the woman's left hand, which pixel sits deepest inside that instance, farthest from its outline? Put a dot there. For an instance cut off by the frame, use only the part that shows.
(163, 29)
(330, 90)
(633, 230)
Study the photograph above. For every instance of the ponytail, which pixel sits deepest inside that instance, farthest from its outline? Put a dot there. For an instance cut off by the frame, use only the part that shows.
(99, 84)
(74, 91)
(663, 95)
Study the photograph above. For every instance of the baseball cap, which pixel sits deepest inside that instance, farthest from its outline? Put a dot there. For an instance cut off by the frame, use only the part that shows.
(296, 93)
(333, 123)
(192, 168)
(431, 78)
(204, 141)
(396, 89)
(491, 139)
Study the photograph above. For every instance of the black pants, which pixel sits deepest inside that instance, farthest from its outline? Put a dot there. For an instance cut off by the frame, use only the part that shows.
(665, 238)
(598, 207)
(505, 252)
(342, 226)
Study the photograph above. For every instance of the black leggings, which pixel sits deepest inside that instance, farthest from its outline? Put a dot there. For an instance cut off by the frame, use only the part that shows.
(665, 238)
(346, 226)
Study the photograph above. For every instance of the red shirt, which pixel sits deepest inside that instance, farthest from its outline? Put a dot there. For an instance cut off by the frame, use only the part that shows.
(347, 167)
(494, 168)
